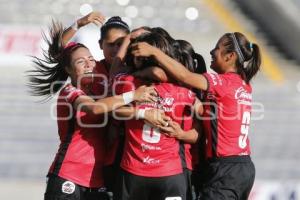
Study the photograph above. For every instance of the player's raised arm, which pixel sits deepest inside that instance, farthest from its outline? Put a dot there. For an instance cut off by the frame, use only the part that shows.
(117, 64)
(94, 17)
(176, 69)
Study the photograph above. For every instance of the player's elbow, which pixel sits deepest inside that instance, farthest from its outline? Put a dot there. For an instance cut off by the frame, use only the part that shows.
(97, 109)
(93, 109)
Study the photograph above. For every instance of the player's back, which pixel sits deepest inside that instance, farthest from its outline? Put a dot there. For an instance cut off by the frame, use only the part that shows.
(148, 152)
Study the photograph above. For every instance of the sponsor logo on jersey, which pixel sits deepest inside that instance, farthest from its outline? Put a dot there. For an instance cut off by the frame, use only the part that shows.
(146, 147)
(167, 101)
(149, 160)
(165, 104)
(68, 187)
(215, 79)
(243, 96)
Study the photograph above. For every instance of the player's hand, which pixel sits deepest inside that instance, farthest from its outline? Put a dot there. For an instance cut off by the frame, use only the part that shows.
(134, 34)
(142, 49)
(172, 130)
(145, 94)
(94, 17)
(156, 118)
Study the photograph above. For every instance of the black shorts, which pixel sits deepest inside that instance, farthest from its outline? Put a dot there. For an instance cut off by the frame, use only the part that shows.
(62, 189)
(190, 193)
(228, 178)
(135, 187)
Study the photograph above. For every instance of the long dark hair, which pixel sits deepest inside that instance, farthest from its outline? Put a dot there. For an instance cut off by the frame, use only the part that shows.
(186, 55)
(183, 52)
(163, 33)
(249, 57)
(154, 39)
(49, 74)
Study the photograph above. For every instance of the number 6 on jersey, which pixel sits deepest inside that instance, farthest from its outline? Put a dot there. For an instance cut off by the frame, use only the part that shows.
(150, 134)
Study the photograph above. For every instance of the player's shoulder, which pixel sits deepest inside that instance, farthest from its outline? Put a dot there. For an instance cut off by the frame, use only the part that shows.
(100, 64)
(174, 90)
(101, 68)
(70, 90)
(226, 79)
(124, 77)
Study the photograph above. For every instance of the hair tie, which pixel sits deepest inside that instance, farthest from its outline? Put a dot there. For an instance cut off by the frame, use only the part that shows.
(195, 63)
(251, 45)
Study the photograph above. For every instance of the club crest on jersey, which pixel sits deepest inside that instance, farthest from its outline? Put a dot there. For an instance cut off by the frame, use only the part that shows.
(68, 187)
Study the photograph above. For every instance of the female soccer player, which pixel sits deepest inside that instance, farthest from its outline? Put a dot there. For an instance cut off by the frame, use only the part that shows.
(185, 54)
(236, 60)
(112, 34)
(76, 172)
(151, 161)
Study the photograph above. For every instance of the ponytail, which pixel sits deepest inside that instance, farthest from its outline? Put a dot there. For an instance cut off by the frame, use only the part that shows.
(49, 74)
(199, 64)
(253, 64)
(186, 55)
(46, 80)
(249, 57)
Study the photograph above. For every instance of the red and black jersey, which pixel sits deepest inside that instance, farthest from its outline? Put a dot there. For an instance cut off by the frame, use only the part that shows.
(118, 86)
(148, 152)
(81, 151)
(101, 80)
(101, 89)
(227, 113)
(187, 124)
(124, 82)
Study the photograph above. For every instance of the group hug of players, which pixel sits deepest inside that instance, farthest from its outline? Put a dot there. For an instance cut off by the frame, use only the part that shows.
(147, 122)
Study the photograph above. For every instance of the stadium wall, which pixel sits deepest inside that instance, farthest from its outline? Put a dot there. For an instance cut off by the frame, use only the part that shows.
(279, 20)
(18, 43)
